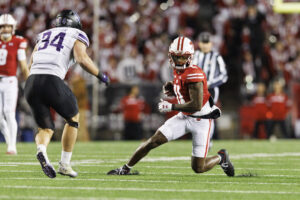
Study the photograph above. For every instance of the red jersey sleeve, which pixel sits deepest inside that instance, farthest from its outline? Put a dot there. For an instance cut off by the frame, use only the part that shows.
(22, 43)
(194, 74)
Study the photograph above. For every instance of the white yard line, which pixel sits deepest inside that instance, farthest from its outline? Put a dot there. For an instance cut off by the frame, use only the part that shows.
(148, 189)
(67, 198)
(153, 181)
(168, 159)
(158, 173)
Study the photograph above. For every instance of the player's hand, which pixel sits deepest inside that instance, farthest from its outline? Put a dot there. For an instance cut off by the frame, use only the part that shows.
(168, 89)
(164, 106)
(103, 78)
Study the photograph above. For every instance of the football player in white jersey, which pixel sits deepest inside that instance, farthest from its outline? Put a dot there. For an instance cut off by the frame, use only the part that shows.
(56, 50)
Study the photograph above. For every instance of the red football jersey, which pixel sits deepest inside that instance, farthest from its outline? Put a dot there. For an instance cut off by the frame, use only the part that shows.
(260, 107)
(279, 105)
(9, 55)
(132, 108)
(182, 79)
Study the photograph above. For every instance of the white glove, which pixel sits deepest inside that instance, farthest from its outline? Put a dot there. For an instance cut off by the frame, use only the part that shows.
(164, 106)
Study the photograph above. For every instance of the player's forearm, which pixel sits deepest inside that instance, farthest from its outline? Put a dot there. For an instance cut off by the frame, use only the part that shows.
(24, 69)
(87, 64)
(25, 73)
(191, 106)
(196, 96)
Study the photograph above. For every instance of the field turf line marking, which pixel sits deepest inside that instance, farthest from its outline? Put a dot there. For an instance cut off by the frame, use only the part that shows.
(67, 198)
(149, 173)
(152, 181)
(148, 189)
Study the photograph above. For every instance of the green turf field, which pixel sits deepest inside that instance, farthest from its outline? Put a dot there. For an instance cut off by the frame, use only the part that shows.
(164, 174)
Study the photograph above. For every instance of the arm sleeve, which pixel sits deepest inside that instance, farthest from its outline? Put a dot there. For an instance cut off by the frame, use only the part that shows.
(21, 54)
(219, 74)
(195, 76)
(81, 36)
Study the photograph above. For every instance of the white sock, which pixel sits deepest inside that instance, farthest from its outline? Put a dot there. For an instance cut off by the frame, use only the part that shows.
(66, 157)
(128, 166)
(42, 148)
(220, 159)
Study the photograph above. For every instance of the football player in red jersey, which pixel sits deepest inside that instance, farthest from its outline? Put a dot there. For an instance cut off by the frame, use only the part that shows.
(12, 52)
(195, 115)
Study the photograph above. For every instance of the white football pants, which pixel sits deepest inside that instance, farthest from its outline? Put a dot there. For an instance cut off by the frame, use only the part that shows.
(8, 102)
(181, 124)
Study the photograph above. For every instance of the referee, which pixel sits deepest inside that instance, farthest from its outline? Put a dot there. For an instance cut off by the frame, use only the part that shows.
(213, 65)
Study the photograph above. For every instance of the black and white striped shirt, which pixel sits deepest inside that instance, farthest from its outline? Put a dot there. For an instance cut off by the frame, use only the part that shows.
(213, 66)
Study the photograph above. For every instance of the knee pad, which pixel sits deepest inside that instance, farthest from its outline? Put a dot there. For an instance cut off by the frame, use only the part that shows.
(72, 123)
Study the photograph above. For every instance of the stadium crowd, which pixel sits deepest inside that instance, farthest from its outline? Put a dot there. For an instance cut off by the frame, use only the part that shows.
(257, 44)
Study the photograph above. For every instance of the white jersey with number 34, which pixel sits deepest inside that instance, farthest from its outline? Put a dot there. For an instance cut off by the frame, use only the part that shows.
(54, 53)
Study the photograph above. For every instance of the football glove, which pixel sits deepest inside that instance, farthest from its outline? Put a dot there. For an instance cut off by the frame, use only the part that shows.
(103, 78)
(168, 89)
(164, 106)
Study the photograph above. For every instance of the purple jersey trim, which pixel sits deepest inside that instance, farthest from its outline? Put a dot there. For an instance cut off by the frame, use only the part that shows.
(84, 39)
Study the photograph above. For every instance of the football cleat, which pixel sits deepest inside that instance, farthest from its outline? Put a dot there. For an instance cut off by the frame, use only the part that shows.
(66, 170)
(11, 153)
(120, 171)
(46, 167)
(225, 163)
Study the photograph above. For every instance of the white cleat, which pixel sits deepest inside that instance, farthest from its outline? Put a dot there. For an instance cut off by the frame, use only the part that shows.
(66, 170)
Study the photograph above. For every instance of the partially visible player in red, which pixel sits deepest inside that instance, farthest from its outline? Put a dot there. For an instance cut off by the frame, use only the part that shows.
(196, 111)
(12, 53)
(260, 108)
(279, 105)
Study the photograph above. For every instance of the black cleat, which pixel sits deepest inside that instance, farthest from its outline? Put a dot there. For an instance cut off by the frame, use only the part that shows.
(46, 167)
(225, 163)
(121, 171)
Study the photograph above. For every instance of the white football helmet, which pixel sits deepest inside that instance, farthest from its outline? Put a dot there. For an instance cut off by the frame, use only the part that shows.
(7, 19)
(181, 52)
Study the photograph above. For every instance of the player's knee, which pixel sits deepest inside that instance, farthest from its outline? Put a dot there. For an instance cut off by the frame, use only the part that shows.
(74, 121)
(75, 118)
(198, 169)
(154, 142)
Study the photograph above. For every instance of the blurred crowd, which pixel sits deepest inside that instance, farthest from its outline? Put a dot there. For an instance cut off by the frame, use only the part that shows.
(257, 44)
(261, 44)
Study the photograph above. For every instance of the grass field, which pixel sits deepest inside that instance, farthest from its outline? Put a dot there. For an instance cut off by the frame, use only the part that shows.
(164, 174)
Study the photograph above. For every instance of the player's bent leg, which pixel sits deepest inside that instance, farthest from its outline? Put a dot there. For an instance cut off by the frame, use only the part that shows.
(156, 140)
(68, 141)
(42, 139)
(69, 135)
(201, 165)
(43, 136)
